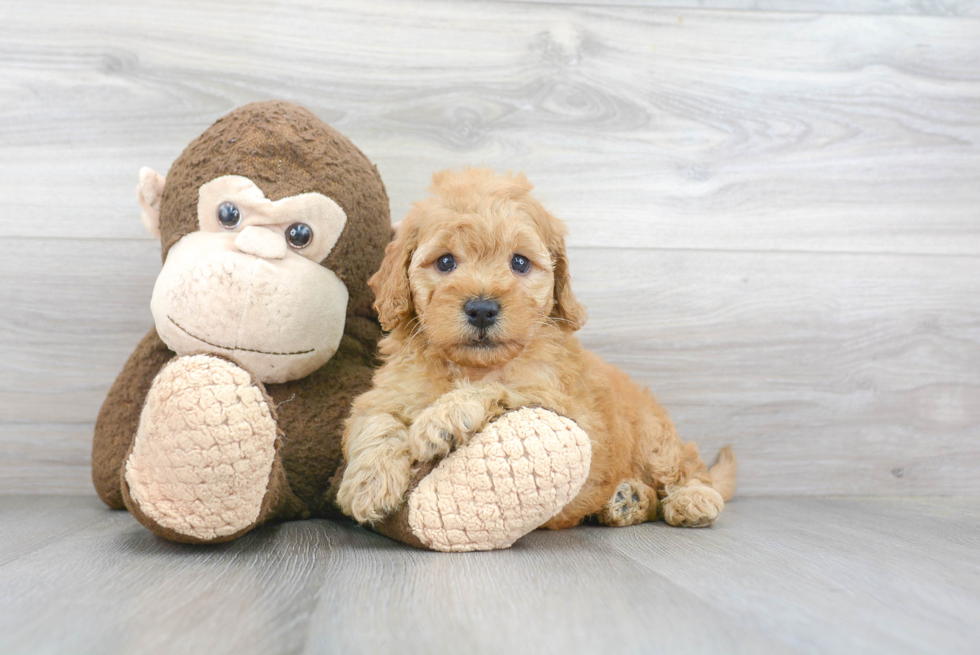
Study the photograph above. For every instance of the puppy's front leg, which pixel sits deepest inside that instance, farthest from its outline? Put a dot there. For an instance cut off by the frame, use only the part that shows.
(455, 417)
(378, 466)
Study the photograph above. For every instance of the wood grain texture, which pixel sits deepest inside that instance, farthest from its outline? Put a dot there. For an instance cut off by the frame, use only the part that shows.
(727, 130)
(28, 523)
(829, 373)
(774, 216)
(787, 575)
(959, 8)
(871, 564)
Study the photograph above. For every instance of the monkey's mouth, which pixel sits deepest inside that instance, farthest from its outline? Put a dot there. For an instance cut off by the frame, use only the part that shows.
(248, 350)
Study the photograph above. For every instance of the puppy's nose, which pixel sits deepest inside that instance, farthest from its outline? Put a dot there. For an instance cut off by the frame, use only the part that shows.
(482, 312)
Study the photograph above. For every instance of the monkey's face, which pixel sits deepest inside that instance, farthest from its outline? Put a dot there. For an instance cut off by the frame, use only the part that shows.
(249, 283)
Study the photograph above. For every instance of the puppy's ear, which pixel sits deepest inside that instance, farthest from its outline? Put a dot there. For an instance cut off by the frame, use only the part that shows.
(569, 312)
(392, 293)
(566, 311)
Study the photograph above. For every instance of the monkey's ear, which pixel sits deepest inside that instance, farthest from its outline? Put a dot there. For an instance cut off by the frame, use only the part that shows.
(149, 191)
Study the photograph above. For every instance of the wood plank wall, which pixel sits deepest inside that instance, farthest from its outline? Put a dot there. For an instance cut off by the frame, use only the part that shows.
(774, 206)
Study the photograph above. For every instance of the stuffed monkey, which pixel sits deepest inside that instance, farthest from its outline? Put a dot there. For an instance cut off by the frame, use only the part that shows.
(230, 411)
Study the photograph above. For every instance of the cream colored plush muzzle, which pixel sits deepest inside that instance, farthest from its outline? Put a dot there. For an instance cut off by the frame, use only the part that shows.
(240, 289)
(281, 318)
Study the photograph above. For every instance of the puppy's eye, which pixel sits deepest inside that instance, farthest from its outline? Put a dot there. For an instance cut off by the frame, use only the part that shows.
(229, 216)
(520, 264)
(299, 235)
(446, 263)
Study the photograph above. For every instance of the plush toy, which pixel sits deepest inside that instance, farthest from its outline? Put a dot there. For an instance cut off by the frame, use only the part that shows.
(510, 478)
(230, 411)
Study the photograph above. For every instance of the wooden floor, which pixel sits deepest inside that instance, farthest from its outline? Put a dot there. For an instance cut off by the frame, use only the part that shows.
(775, 575)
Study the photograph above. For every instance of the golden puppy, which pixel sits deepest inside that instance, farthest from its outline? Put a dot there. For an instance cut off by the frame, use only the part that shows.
(475, 294)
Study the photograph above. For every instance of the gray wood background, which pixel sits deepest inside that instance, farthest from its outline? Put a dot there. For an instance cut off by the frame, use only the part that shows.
(774, 205)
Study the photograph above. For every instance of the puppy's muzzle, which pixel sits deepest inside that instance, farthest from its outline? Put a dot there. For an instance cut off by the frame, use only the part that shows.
(481, 312)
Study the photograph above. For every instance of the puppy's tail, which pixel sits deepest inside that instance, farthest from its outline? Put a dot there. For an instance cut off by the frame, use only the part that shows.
(723, 473)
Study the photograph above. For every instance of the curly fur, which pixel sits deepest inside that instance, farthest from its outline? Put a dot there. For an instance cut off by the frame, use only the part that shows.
(443, 379)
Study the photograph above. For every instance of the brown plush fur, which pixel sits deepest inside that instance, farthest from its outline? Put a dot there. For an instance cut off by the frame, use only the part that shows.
(443, 379)
(286, 150)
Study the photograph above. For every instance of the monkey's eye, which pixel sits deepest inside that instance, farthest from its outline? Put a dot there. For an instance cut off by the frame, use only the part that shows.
(229, 216)
(446, 263)
(520, 264)
(299, 235)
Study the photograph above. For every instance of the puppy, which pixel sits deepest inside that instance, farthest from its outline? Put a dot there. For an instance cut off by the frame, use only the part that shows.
(474, 292)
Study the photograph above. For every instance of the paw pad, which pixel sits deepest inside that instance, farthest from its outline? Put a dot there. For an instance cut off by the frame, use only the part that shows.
(627, 506)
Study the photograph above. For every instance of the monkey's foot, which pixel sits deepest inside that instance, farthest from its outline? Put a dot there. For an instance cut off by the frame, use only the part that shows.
(204, 459)
(509, 479)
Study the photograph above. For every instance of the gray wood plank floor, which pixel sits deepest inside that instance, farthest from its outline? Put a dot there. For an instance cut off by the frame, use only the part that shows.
(775, 575)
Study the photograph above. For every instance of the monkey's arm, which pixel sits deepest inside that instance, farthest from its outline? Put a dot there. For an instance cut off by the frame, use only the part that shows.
(120, 416)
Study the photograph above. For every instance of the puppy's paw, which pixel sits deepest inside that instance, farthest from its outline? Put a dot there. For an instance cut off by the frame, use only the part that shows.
(368, 493)
(694, 505)
(444, 425)
(631, 503)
